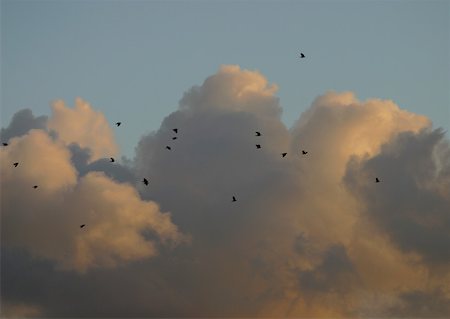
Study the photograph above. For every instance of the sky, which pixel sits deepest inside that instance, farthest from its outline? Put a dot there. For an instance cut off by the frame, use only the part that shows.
(310, 235)
(134, 59)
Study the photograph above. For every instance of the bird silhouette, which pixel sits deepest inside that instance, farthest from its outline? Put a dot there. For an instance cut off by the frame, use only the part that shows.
(81, 226)
(175, 130)
(304, 152)
(118, 123)
(283, 154)
(174, 138)
(35, 186)
(302, 55)
(168, 147)
(234, 199)
(258, 146)
(145, 181)
(377, 180)
(5, 144)
(15, 164)
(111, 160)
(258, 133)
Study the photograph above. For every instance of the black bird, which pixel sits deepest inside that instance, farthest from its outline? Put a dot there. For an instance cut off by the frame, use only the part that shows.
(168, 147)
(174, 138)
(111, 160)
(35, 186)
(283, 154)
(258, 146)
(302, 55)
(175, 130)
(118, 123)
(15, 164)
(304, 152)
(81, 226)
(258, 133)
(5, 144)
(234, 199)
(145, 181)
(377, 180)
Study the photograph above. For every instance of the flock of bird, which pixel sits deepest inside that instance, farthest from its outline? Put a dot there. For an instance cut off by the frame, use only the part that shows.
(145, 180)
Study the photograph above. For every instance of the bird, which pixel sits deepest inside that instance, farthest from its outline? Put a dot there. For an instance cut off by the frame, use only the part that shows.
(258, 146)
(234, 199)
(377, 180)
(118, 123)
(258, 133)
(145, 181)
(15, 164)
(174, 138)
(283, 154)
(81, 226)
(175, 130)
(301, 55)
(35, 186)
(304, 152)
(111, 160)
(5, 144)
(168, 147)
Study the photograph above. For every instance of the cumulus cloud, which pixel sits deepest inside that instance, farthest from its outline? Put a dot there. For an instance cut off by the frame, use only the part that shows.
(21, 123)
(310, 236)
(45, 221)
(84, 126)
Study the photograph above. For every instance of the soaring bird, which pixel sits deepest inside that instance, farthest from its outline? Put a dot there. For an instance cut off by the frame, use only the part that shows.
(111, 160)
(118, 123)
(15, 164)
(283, 154)
(168, 147)
(377, 180)
(5, 144)
(304, 152)
(174, 138)
(234, 199)
(145, 181)
(258, 146)
(175, 130)
(35, 186)
(258, 133)
(302, 55)
(81, 226)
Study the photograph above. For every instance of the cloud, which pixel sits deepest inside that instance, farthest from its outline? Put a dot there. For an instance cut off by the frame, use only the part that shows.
(21, 123)
(84, 126)
(309, 236)
(45, 221)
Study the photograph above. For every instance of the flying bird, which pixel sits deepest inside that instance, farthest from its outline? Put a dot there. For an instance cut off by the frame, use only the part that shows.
(5, 144)
(145, 181)
(301, 55)
(234, 199)
(118, 123)
(175, 130)
(81, 226)
(111, 160)
(35, 186)
(174, 138)
(283, 154)
(258, 146)
(168, 147)
(15, 164)
(304, 152)
(377, 180)
(258, 133)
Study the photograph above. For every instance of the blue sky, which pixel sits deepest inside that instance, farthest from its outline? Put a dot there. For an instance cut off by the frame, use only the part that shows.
(133, 60)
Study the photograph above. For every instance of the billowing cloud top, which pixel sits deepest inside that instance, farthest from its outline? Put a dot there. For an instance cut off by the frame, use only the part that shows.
(84, 126)
(310, 235)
